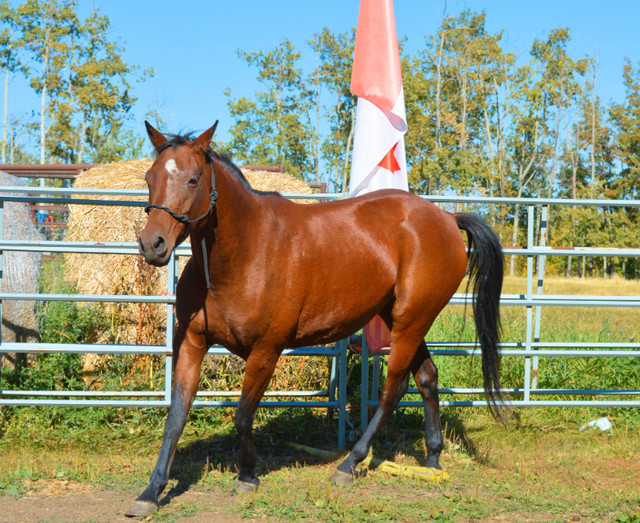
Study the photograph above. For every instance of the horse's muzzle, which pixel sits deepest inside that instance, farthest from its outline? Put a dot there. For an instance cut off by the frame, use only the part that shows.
(155, 251)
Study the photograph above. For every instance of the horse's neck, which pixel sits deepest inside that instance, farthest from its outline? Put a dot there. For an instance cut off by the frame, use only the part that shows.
(235, 211)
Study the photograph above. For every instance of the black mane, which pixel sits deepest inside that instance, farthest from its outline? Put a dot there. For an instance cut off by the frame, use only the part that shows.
(176, 140)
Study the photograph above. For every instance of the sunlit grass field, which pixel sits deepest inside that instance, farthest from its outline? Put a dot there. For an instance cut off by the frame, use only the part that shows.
(558, 324)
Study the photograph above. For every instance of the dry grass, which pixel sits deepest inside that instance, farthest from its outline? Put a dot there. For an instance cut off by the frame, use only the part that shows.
(580, 286)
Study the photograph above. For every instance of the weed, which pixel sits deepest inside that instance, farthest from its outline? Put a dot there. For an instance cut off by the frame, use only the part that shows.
(171, 514)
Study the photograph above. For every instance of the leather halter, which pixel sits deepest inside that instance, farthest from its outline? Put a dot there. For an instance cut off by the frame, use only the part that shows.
(183, 218)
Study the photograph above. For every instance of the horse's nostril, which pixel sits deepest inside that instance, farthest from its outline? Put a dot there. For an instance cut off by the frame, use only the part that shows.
(159, 245)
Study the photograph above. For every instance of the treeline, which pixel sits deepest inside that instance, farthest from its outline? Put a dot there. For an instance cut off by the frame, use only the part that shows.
(80, 78)
(481, 122)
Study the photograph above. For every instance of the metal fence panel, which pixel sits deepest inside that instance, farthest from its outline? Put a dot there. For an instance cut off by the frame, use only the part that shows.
(531, 348)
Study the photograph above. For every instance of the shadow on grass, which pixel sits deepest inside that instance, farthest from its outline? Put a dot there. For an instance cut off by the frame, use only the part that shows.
(402, 434)
(272, 439)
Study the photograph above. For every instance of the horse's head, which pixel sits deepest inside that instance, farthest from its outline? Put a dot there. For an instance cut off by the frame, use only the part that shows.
(181, 192)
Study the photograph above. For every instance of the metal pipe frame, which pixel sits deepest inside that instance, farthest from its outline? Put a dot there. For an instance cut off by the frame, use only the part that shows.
(531, 348)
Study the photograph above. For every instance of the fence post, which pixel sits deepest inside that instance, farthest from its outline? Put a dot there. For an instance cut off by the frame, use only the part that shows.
(541, 266)
(342, 394)
(375, 377)
(364, 380)
(527, 361)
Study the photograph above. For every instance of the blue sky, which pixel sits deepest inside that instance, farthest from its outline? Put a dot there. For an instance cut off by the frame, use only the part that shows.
(192, 45)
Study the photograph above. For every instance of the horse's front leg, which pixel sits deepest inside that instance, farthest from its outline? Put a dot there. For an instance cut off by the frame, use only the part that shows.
(259, 370)
(189, 350)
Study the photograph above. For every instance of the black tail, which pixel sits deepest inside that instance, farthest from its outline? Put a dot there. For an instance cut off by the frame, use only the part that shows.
(486, 271)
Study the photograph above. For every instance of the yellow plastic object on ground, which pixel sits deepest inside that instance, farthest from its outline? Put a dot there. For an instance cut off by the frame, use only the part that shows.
(423, 473)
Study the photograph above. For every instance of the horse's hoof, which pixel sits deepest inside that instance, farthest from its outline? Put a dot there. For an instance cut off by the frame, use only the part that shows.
(246, 487)
(341, 479)
(141, 509)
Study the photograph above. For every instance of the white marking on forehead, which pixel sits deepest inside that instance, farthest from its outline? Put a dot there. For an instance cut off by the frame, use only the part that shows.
(171, 166)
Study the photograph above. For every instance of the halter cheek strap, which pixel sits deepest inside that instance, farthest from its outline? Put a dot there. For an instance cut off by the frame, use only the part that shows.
(183, 218)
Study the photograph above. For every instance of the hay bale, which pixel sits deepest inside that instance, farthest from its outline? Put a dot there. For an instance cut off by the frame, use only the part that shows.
(112, 273)
(280, 182)
(20, 272)
(117, 274)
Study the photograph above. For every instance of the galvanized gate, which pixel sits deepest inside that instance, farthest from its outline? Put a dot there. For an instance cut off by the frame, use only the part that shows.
(334, 396)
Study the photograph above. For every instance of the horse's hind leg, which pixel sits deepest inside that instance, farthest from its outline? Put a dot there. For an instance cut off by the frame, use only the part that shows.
(189, 351)
(400, 358)
(426, 376)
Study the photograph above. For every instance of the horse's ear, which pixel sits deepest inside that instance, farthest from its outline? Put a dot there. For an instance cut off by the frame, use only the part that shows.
(203, 141)
(156, 137)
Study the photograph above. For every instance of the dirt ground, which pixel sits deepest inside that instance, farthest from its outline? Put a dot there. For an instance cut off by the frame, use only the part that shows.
(69, 501)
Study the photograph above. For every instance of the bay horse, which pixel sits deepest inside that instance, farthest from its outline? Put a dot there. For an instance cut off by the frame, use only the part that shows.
(268, 274)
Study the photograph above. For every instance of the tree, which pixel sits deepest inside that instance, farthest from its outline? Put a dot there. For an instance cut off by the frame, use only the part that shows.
(83, 82)
(91, 113)
(626, 118)
(10, 44)
(46, 26)
(450, 82)
(276, 128)
(334, 54)
(545, 89)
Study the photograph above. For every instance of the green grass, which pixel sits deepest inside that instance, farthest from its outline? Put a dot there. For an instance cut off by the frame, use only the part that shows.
(545, 469)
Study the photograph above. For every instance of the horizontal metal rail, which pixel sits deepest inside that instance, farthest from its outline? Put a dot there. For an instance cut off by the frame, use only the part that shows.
(8, 193)
(98, 348)
(529, 349)
(70, 402)
(147, 394)
(555, 301)
(528, 403)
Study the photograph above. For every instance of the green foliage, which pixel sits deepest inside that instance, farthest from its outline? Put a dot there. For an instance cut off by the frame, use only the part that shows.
(66, 322)
(332, 78)
(276, 128)
(78, 71)
(59, 322)
(626, 117)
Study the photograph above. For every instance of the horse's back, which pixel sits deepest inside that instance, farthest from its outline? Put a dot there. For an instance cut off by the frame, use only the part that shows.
(393, 223)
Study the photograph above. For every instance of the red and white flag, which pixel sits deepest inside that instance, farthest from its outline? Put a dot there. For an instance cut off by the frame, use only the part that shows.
(378, 160)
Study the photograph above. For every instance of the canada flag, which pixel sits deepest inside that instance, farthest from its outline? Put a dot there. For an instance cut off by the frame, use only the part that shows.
(378, 160)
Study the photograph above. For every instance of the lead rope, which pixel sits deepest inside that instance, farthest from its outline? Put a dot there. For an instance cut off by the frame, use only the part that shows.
(205, 258)
(213, 198)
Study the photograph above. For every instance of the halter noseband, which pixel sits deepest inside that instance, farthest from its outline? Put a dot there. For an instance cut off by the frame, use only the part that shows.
(183, 218)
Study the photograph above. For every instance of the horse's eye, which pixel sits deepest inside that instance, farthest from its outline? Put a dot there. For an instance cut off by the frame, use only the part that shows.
(193, 182)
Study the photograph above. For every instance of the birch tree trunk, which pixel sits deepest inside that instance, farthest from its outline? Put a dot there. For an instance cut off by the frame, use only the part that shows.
(6, 110)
